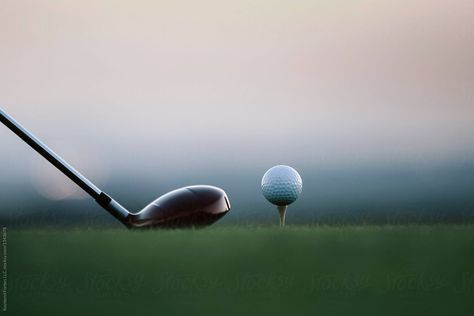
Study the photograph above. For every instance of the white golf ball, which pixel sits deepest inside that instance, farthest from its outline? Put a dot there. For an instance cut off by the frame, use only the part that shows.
(281, 185)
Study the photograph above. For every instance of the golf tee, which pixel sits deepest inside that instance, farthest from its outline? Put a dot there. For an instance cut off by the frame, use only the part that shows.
(282, 211)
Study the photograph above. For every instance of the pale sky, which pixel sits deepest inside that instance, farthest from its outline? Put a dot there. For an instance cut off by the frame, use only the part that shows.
(186, 85)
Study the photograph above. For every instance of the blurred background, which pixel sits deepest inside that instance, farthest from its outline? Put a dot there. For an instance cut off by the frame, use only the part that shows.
(371, 101)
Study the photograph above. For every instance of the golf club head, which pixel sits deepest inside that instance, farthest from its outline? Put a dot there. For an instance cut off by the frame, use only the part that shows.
(193, 206)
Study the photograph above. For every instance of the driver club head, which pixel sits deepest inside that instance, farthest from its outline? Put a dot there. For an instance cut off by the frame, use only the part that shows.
(192, 206)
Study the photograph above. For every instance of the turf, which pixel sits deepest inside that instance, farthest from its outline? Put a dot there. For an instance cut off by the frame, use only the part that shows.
(397, 270)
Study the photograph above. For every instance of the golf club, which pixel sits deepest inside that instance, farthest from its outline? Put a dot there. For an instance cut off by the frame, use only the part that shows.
(192, 206)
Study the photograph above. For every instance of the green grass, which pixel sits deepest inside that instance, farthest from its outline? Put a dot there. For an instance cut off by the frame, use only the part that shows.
(405, 270)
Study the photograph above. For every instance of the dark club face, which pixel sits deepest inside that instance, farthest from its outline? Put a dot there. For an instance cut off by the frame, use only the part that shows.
(193, 206)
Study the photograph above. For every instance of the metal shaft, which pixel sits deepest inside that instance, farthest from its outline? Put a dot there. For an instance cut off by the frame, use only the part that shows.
(103, 199)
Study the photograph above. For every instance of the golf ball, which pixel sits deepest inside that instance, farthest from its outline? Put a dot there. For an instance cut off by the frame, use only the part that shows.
(281, 185)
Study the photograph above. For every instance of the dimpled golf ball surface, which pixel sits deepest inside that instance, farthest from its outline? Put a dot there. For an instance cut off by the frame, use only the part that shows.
(281, 185)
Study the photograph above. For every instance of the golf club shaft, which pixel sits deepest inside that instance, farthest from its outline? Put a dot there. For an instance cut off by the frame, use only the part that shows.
(103, 199)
